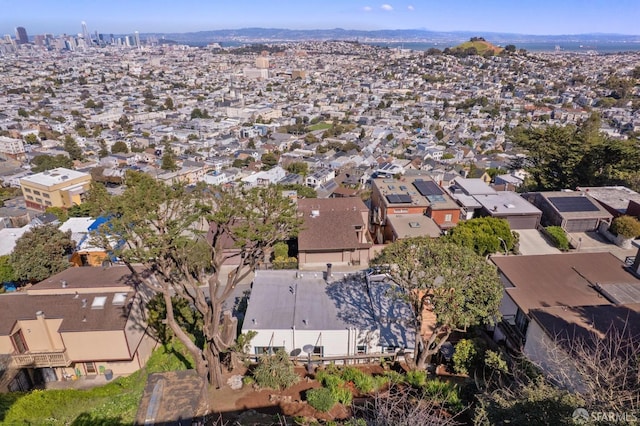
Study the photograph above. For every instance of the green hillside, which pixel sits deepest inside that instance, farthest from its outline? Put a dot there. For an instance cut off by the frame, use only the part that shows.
(480, 45)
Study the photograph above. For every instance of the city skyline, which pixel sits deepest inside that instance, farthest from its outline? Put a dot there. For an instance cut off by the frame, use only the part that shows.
(541, 17)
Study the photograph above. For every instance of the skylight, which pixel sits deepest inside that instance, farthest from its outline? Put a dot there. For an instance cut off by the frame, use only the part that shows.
(99, 302)
(119, 298)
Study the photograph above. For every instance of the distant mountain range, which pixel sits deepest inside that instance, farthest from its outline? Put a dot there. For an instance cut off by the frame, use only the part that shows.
(270, 35)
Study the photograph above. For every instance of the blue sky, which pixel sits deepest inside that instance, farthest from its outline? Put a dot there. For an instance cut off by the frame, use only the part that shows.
(516, 16)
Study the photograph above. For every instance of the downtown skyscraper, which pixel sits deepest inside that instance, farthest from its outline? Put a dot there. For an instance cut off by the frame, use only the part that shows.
(21, 35)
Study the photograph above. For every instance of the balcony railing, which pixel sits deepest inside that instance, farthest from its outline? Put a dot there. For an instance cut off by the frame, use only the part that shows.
(514, 335)
(42, 359)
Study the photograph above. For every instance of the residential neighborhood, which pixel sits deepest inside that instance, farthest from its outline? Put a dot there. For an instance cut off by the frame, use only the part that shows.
(264, 191)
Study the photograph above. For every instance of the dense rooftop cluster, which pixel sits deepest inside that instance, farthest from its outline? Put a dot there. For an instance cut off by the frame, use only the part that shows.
(329, 104)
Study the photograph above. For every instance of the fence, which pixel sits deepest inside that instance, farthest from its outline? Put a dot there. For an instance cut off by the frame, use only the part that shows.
(372, 358)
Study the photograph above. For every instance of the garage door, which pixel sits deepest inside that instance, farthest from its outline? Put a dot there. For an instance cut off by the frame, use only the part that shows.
(581, 225)
(522, 222)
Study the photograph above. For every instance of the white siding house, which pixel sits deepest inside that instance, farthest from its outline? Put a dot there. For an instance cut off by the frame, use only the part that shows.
(292, 309)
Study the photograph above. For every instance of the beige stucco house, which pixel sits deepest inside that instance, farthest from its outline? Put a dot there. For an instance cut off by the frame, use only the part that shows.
(80, 322)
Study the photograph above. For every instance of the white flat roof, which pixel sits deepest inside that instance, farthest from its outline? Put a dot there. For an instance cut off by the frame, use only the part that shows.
(54, 176)
(8, 238)
(77, 224)
(506, 203)
(474, 186)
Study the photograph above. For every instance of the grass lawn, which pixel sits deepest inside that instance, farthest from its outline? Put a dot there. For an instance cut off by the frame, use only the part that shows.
(323, 125)
(113, 404)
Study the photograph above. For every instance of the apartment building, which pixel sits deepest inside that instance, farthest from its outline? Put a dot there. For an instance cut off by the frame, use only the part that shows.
(12, 148)
(55, 188)
(414, 194)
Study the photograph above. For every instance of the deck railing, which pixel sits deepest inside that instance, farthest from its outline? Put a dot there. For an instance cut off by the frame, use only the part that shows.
(41, 359)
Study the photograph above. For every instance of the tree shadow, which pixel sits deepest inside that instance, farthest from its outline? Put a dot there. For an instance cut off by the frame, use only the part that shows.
(183, 360)
(567, 324)
(374, 305)
(591, 350)
(240, 307)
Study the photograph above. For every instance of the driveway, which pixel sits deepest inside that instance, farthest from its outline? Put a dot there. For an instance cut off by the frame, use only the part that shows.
(594, 242)
(532, 242)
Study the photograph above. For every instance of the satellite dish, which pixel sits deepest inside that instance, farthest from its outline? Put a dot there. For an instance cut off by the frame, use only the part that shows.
(296, 352)
(308, 349)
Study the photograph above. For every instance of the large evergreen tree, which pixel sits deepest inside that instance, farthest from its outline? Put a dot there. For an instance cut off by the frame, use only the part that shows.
(163, 228)
(41, 163)
(169, 160)
(560, 157)
(41, 252)
(72, 147)
(442, 280)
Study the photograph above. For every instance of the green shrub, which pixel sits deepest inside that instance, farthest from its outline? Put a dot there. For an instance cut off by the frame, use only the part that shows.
(322, 399)
(393, 377)
(329, 380)
(280, 249)
(248, 380)
(495, 361)
(380, 381)
(275, 371)
(350, 374)
(443, 393)
(342, 395)
(417, 378)
(464, 356)
(365, 384)
(558, 237)
(362, 381)
(436, 388)
(625, 226)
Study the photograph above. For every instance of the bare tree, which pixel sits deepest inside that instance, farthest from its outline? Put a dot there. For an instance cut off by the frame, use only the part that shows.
(403, 406)
(602, 367)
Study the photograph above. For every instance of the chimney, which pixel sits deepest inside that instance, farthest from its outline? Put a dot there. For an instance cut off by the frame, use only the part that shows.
(63, 283)
(329, 265)
(45, 327)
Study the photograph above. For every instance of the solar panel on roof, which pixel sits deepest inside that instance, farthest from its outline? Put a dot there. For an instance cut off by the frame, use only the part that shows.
(426, 188)
(399, 198)
(573, 204)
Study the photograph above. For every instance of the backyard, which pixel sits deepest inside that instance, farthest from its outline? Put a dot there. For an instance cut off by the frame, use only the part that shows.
(330, 394)
(113, 404)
